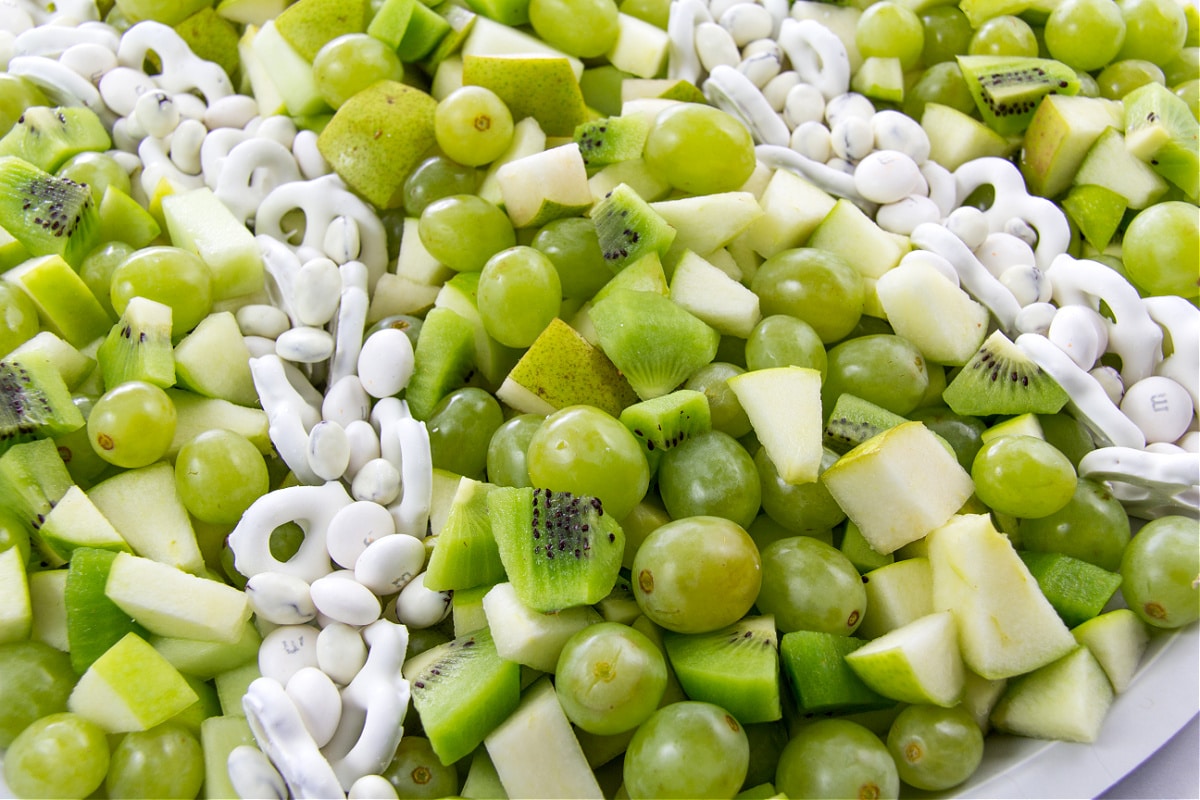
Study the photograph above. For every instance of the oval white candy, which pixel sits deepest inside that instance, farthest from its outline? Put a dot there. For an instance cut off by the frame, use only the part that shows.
(389, 563)
(89, 59)
(999, 251)
(907, 213)
(231, 111)
(316, 291)
(378, 481)
(318, 701)
(372, 787)
(346, 401)
(888, 176)
(804, 103)
(760, 68)
(1110, 382)
(354, 528)
(847, 105)
(1078, 332)
(157, 113)
(716, 46)
(280, 598)
(1160, 407)
(1036, 318)
(896, 131)
(419, 607)
(328, 450)
(341, 652)
(385, 362)
(345, 601)
(304, 345)
(1027, 283)
(286, 650)
(747, 22)
(364, 445)
(851, 138)
(776, 90)
(811, 140)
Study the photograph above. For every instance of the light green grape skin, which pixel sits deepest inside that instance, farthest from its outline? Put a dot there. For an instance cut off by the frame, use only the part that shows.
(460, 429)
(942, 83)
(132, 425)
(350, 63)
(434, 178)
(1184, 67)
(836, 758)
(97, 269)
(780, 340)
(586, 451)
(473, 125)
(415, 770)
(463, 231)
(813, 285)
(519, 294)
(809, 585)
(98, 171)
(1121, 77)
(172, 276)
(219, 474)
(726, 411)
(1023, 476)
(935, 748)
(885, 369)
(696, 574)
(163, 762)
(610, 678)
(1004, 35)
(59, 755)
(1092, 527)
(1085, 34)
(1160, 572)
(947, 34)
(1155, 30)
(802, 508)
(506, 460)
(1161, 249)
(572, 245)
(687, 749)
(19, 322)
(583, 28)
(699, 149)
(35, 682)
(890, 30)
(710, 474)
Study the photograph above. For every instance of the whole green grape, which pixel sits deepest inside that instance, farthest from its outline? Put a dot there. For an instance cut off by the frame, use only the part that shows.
(610, 678)
(165, 761)
(1004, 35)
(219, 473)
(780, 340)
(890, 30)
(696, 574)
(463, 231)
(572, 245)
(59, 755)
(582, 28)
(473, 125)
(699, 149)
(811, 586)
(19, 323)
(35, 682)
(347, 64)
(1092, 527)
(132, 425)
(1121, 77)
(97, 268)
(963, 433)
(836, 758)
(519, 294)
(586, 451)
(947, 34)
(1068, 434)
(816, 286)
(802, 508)
(1161, 249)
(461, 427)
(434, 178)
(687, 749)
(171, 275)
(1155, 30)
(935, 748)
(506, 459)
(1184, 67)
(726, 410)
(710, 474)
(1023, 476)
(942, 83)
(97, 170)
(416, 771)
(1160, 572)
(885, 369)
(1085, 34)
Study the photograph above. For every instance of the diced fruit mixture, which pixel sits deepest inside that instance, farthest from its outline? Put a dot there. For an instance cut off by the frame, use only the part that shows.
(605, 398)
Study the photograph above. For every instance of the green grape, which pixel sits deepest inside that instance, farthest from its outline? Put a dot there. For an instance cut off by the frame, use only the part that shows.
(17, 94)
(171, 275)
(610, 678)
(35, 682)
(460, 428)
(699, 149)
(19, 323)
(132, 425)
(709, 474)
(163, 762)
(1184, 67)
(947, 34)
(506, 462)
(402, 322)
(935, 748)
(1160, 572)
(836, 758)
(1155, 30)
(1068, 434)
(1121, 77)
(583, 28)
(519, 294)
(97, 269)
(573, 247)
(13, 533)
(60, 755)
(886, 369)
(687, 749)
(726, 410)
(584, 450)
(804, 508)
(964, 434)
(816, 286)
(219, 473)
(889, 30)
(1085, 34)
(463, 231)
(810, 586)
(696, 574)
(780, 340)
(434, 178)
(347, 64)
(1092, 527)
(656, 12)
(1161, 249)
(285, 541)
(416, 771)
(98, 171)
(1023, 476)
(1004, 35)
(766, 531)
(473, 125)
(1189, 92)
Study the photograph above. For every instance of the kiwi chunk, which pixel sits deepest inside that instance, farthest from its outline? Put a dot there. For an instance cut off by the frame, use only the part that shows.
(1001, 379)
(736, 667)
(611, 139)
(1077, 589)
(138, 348)
(1007, 89)
(46, 137)
(36, 401)
(49, 215)
(444, 358)
(821, 680)
(667, 421)
(1160, 129)
(466, 555)
(462, 690)
(94, 623)
(853, 420)
(628, 228)
(33, 478)
(559, 549)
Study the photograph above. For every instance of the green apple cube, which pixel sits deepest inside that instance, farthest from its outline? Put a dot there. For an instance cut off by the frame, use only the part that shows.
(207, 659)
(530, 637)
(167, 601)
(130, 688)
(199, 222)
(1065, 700)
(16, 609)
(65, 304)
(980, 696)
(792, 209)
(784, 407)
(640, 49)
(1006, 626)
(950, 336)
(704, 223)
(854, 236)
(898, 485)
(710, 294)
(232, 685)
(1118, 639)
(528, 139)
(47, 598)
(76, 522)
(218, 737)
(897, 594)
(144, 507)
(915, 663)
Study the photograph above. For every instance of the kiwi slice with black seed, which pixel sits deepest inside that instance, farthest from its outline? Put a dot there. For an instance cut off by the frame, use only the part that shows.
(1008, 89)
(466, 555)
(611, 139)
(559, 549)
(628, 228)
(1160, 129)
(46, 137)
(667, 421)
(736, 667)
(36, 400)
(138, 348)
(1001, 379)
(462, 690)
(47, 214)
(853, 420)
(33, 478)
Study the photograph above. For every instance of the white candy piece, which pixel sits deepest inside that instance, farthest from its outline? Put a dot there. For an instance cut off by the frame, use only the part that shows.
(747, 22)
(904, 215)
(1110, 381)
(372, 787)
(378, 481)
(733, 92)
(252, 774)
(760, 68)
(157, 113)
(942, 190)
(341, 652)
(317, 291)
(1036, 318)
(811, 140)
(851, 139)
(388, 564)
(311, 507)
(308, 157)
(776, 90)
(716, 46)
(280, 733)
(804, 103)
(280, 598)
(286, 650)
(896, 131)
(328, 450)
(233, 111)
(888, 176)
(186, 142)
(89, 60)
(1080, 333)
(354, 528)
(342, 240)
(1160, 407)
(968, 224)
(345, 600)
(385, 362)
(304, 345)
(847, 105)
(817, 54)
(346, 401)
(418, 607)
(934, 260)
(1000, 251)
(1027, 283)
(364, 445)
(318, 701)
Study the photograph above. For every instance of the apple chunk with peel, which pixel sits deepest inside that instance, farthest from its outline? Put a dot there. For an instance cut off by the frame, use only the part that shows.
(784, 407)
(1065, 700)
(898, 485)
(1118, 639)
(545, 186)
(1006, 626)
(170, 602)
(710, 294)
(916, 663)
(950, 336)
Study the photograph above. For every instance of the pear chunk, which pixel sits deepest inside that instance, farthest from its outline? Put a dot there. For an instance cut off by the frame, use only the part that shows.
(1065, 700)
(916, 663)
(784, 407)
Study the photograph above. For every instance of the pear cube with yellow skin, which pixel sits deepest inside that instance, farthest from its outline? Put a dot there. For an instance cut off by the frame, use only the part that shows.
(918, 662)
(898, 485)
(784, 407)
(544, 87)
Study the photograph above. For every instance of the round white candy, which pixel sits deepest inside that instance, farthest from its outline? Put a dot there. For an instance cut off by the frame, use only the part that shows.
(280, 598)
(811, 139)
(896, 131)
(278, 127)
(121, 87)
(389, 563)
(345, 600)
(304, 345)
(845, 106)
(364, 445)
(851, 138)
(968, 224)
(716, 46)
(318, 701)
(341, 652)
(1080, 333)
(346, 401)
(1036, 318)
(932, 259)
(1160, 407)
(1189, 442)
(1110, 381)
(999, 251)
(378, 481)
(157, 113)
(760, 68)
(887, 176)
(89, 59)
(372, 787)
(1027, 283)
(286, 650)
(231, 111)
(418, 607)
(906, 214)
(385, 362)
(747, 22)
(328, 450)
(776, 90)
(804, 103)
(352, 530)
(318, 289)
